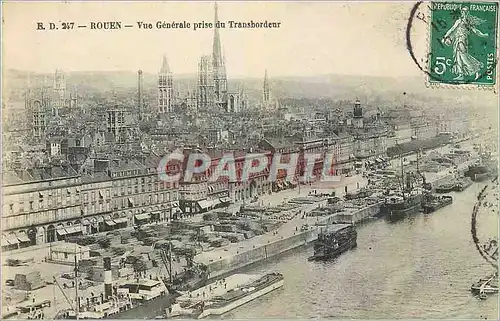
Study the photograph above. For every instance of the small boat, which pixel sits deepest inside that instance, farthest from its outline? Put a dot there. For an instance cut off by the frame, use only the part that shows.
(486, 286)
(463, 183)
(432, 203)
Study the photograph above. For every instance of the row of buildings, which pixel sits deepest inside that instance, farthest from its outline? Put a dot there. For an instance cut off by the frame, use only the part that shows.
(53, 200)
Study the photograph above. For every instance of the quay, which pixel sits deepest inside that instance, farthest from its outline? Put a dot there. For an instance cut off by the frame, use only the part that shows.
(297, 232)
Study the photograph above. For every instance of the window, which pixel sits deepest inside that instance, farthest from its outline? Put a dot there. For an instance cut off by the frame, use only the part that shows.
(11, 208)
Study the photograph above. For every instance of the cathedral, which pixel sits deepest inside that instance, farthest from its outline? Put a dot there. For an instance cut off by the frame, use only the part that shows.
(211, 94)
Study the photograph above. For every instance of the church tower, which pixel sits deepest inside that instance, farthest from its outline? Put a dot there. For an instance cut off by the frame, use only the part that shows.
(219, 68)
(265, 90)
(206, 96)
(357, 120)
(59, 94)
(165, 88)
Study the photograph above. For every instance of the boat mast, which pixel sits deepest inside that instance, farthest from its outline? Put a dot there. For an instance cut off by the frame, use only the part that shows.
(170, 262)
(402, 175)
(77, 304)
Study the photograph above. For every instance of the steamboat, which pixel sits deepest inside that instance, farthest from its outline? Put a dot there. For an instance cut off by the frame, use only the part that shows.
(333, 241)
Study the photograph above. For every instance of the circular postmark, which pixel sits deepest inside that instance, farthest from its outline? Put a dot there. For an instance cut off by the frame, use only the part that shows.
(484, 223)
(454, 43)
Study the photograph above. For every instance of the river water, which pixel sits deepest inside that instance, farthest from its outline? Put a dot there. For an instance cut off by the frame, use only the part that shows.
(421, 267)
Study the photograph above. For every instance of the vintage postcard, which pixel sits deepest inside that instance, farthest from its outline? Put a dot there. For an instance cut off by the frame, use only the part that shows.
(250, 160)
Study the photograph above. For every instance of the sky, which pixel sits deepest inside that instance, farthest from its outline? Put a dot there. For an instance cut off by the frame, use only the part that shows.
(355, 38)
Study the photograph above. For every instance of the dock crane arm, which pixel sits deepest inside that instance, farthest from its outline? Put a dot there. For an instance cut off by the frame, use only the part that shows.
(65, 296)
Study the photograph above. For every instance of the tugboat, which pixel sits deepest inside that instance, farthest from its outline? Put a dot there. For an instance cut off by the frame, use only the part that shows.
(432, 203)
(334, 241)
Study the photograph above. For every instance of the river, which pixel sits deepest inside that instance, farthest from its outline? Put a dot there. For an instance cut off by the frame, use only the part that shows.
(421, 267)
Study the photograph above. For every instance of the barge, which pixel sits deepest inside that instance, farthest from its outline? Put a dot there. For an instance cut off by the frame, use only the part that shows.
(433, 203)
(458, 185)
(332, 243)
(446, 188)
(198, 308)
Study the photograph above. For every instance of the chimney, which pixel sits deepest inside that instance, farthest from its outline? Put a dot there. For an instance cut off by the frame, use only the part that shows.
(107, 279)
(139, 93)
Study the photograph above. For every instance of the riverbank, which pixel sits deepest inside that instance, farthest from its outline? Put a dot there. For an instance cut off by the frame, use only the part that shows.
(290, 236)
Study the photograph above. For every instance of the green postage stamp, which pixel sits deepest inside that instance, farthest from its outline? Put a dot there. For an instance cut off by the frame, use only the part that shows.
(463, 43)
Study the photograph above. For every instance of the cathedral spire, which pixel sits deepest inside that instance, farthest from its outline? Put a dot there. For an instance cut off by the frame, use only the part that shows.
(265, 89)
(165, 69)
(216, 50)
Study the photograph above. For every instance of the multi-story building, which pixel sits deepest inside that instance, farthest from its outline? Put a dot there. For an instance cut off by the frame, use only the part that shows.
(119, 123)
(40, 205)
(49, 204)
(138, 192)
(96, 199)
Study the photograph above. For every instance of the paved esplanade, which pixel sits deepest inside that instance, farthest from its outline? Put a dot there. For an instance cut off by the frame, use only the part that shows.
(287, 229)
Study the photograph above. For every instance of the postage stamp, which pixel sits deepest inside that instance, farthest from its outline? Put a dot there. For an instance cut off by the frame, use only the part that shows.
(463, 43)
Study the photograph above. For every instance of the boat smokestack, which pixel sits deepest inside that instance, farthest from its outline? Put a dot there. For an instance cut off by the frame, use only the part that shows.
(107, 278)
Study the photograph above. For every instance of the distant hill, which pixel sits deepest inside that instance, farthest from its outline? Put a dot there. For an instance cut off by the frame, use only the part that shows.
(376, 90)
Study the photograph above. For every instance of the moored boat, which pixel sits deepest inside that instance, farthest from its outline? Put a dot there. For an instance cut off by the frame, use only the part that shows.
(198, 308)
(446, 188)
(462, 184)
(433, 203)
(400, 207)
(488, 285)
(333, 241)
